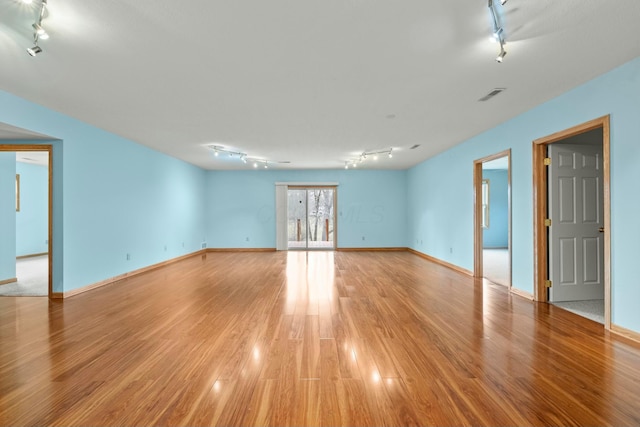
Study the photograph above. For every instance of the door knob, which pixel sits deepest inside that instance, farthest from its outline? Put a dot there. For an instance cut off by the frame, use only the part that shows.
(601, 229)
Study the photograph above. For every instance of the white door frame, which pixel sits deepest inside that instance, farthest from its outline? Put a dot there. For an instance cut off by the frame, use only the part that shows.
(281, 210)
(540, 245)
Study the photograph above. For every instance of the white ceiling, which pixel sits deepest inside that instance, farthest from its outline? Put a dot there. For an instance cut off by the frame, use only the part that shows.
(312, 82)
(15, 133)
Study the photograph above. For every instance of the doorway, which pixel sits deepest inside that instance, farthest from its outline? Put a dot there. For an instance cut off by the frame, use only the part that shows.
(492, 218)
(32, 225)
(572, 220)
(311, 222)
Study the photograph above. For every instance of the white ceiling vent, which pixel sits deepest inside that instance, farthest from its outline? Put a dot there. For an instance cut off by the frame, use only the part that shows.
(492, 94)
(414, 147)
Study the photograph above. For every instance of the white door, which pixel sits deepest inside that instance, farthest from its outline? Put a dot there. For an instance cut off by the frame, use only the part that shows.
(576, 240)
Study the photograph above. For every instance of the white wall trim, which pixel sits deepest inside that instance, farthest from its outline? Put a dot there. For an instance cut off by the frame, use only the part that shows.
(281, 217)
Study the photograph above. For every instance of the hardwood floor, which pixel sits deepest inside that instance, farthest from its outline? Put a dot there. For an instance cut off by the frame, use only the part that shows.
(317, 338)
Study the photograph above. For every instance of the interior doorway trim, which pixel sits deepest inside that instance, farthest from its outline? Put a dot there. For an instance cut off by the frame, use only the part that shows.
(540, 246)
(49, 149)
(477, 212)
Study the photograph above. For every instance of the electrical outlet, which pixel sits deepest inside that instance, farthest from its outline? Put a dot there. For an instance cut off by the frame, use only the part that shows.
(183, 244)
(46, 242)
(165, 248)
(362, 237)
(128, 257)
(204, 245)
(450, 250)
(247, 239)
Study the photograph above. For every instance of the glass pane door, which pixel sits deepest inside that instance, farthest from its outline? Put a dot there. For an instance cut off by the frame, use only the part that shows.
(297, 219)
(311, 222)
(320, 218)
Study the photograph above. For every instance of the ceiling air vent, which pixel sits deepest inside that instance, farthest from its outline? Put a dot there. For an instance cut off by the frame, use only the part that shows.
(492, 94)
(414, 147)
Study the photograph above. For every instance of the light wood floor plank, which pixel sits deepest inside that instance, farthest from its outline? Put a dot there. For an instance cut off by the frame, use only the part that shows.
(317, 338)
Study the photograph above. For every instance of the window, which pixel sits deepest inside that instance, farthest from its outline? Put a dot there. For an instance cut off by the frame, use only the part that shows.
(485, 203)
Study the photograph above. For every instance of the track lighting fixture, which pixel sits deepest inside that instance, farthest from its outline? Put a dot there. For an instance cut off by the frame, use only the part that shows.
(39, 32)
(244, 158)
(217, 150)
(497, 35)
(371, 154)
(498, 30)
(34, 50)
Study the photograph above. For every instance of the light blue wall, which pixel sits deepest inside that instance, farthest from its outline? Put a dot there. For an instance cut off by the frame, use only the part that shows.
(443, 216)
(7, 216)
(497, 235)
(112, 197)
(32, 221)
(241, 204)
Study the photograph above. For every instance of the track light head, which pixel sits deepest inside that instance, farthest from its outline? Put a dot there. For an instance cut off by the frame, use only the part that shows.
(502, 2)
(39, 30)
(390, 154)
(501, 56)
(266, 165)
(34, 50)
(498, 35)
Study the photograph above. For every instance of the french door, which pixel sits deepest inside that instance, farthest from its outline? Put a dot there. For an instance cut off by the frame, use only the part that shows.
(311, 218)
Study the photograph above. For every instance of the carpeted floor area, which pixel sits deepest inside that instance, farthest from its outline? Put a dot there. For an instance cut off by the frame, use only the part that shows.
(593, 309)
(495, 266)
(33, 275)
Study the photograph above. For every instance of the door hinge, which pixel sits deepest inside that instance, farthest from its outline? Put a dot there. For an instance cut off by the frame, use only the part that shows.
(547, 222)
(547, 161)
(548, 283)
